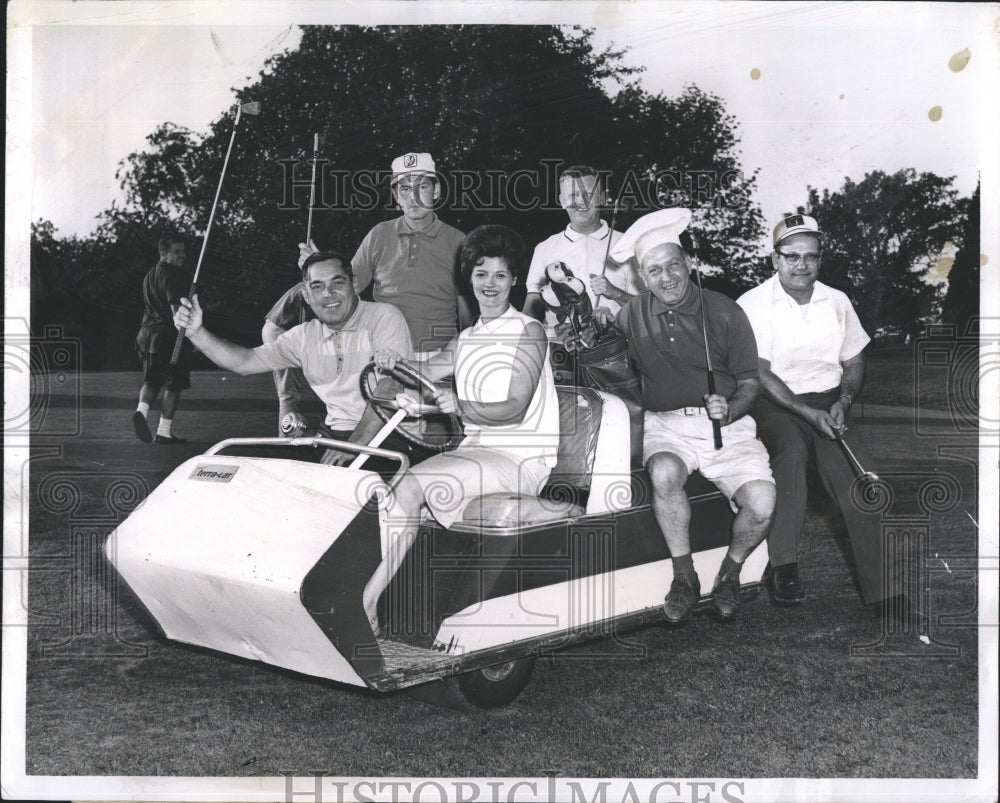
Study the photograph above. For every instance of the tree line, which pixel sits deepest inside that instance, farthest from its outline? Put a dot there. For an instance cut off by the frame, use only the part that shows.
(503, 106)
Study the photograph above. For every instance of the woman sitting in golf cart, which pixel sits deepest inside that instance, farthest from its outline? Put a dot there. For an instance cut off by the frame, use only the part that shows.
(504, 393)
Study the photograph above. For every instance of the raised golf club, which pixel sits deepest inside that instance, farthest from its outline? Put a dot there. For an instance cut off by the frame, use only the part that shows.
(317, 141)
(244, 108)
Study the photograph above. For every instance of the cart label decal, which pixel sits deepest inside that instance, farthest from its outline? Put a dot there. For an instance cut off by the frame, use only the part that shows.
(209, 472)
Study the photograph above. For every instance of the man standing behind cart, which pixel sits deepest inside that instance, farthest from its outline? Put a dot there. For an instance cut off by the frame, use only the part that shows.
(411, 262)
(582, 246)
(332, 350)
(667, 343)
(812, 365)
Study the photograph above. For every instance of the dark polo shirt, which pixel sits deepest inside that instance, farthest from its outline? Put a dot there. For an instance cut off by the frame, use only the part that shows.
(415, 271)
(667, 347)
(162, 290)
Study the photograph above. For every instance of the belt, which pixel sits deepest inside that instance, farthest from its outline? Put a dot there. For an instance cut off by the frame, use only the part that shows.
(686, 411)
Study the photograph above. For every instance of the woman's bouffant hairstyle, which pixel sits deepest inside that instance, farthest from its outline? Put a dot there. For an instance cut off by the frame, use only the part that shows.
(493, 241)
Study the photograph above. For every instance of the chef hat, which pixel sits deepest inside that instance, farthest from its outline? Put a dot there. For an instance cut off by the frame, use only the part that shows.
(649, 231)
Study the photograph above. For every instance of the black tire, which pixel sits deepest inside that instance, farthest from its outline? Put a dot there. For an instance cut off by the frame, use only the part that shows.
(489, 687)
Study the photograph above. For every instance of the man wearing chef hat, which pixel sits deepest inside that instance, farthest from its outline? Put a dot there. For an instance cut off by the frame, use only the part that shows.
(667, 347)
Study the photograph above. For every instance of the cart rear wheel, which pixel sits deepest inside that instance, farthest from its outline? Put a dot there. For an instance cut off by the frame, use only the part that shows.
(489, 687)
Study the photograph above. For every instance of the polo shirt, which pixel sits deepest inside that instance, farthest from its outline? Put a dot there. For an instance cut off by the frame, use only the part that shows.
(667, 347)
(332, 359)
(163, 287)
(806, 344)
(584, 255)
(416, 271)
(291, 309)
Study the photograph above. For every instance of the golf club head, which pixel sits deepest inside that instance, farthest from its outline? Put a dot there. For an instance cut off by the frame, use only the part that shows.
(250, 108)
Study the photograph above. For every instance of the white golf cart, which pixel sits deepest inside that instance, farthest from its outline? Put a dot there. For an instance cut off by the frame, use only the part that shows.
(266, 557)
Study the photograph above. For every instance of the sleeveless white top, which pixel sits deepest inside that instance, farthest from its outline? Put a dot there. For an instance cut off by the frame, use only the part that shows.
(484, 367)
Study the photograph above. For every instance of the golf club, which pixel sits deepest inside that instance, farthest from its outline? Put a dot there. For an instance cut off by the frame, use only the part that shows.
(716, 424)
(248, 108)
(869, 476)
(312, 187)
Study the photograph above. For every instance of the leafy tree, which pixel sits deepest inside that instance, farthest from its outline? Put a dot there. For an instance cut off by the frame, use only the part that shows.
(880, 235)
(961, 301)
(489, 102)
(480, 99)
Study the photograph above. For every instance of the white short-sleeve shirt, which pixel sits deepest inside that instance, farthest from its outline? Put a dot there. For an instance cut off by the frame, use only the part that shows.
(332, 359)
(485, 363)
(584, 255)
(805, 343)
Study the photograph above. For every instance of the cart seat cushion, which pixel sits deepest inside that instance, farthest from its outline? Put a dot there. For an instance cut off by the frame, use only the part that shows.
(580, 411)
(513, 510)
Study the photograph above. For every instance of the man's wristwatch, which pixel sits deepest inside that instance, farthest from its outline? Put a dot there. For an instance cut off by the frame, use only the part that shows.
(849, 397)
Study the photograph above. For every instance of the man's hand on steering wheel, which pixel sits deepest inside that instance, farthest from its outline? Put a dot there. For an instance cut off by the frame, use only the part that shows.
(386, 359)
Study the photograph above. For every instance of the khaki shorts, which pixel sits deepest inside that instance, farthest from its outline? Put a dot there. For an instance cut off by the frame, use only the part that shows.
(741, 459)
(451, 479)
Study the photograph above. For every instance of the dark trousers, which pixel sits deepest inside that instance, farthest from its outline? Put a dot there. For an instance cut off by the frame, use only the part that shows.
(792, 443)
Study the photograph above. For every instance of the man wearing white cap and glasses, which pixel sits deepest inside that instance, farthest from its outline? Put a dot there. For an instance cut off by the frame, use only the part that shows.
(812, 365)
(667, 346)
(411, 262)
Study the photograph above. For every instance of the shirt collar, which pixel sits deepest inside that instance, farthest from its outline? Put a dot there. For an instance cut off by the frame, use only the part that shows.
(486, 325)
(575, 236)
(689, 303)
(403, 228)
(349, 325)
(778, 294)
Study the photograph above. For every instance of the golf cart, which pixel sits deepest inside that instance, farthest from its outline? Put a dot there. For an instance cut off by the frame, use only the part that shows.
(266, 558)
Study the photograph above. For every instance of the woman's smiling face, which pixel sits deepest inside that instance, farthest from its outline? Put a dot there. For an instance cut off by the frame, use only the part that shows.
(491, 282)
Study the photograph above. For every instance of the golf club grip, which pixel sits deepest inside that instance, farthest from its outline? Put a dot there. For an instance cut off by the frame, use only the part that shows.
(177, 347)
(175, 357)
(716, 424)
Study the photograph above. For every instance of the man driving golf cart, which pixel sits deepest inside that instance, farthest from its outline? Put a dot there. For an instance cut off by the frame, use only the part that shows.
(332, 350)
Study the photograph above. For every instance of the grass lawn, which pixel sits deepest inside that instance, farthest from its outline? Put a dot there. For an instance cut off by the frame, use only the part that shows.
(814, 691)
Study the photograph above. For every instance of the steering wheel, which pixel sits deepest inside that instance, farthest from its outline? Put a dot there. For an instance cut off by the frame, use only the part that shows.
(434, 431)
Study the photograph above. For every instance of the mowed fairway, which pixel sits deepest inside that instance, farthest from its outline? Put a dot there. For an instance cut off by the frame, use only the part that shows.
(775, 694)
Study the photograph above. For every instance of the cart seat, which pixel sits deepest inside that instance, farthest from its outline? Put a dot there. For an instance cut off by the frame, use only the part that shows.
(565, 493)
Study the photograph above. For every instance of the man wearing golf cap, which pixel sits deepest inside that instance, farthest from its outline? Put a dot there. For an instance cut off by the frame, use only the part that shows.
(582, 246)
(812, 365)
(667, 329)
(411, 262)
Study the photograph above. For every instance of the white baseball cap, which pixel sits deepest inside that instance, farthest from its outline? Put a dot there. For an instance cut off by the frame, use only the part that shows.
(795, 224)
(420, 164)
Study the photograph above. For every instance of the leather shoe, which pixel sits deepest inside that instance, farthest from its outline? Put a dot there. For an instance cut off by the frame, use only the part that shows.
(141, 427)
(169, 439)
(783, 584)
(680, 600)
(726, 595)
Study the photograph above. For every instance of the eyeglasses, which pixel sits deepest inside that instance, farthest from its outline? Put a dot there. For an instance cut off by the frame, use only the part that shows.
(794, 260)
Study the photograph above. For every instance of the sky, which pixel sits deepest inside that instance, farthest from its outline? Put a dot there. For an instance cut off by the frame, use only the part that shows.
(820, 91)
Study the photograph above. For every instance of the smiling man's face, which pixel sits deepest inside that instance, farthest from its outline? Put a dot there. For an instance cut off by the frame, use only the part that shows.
(330, 292)
(665, 269)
